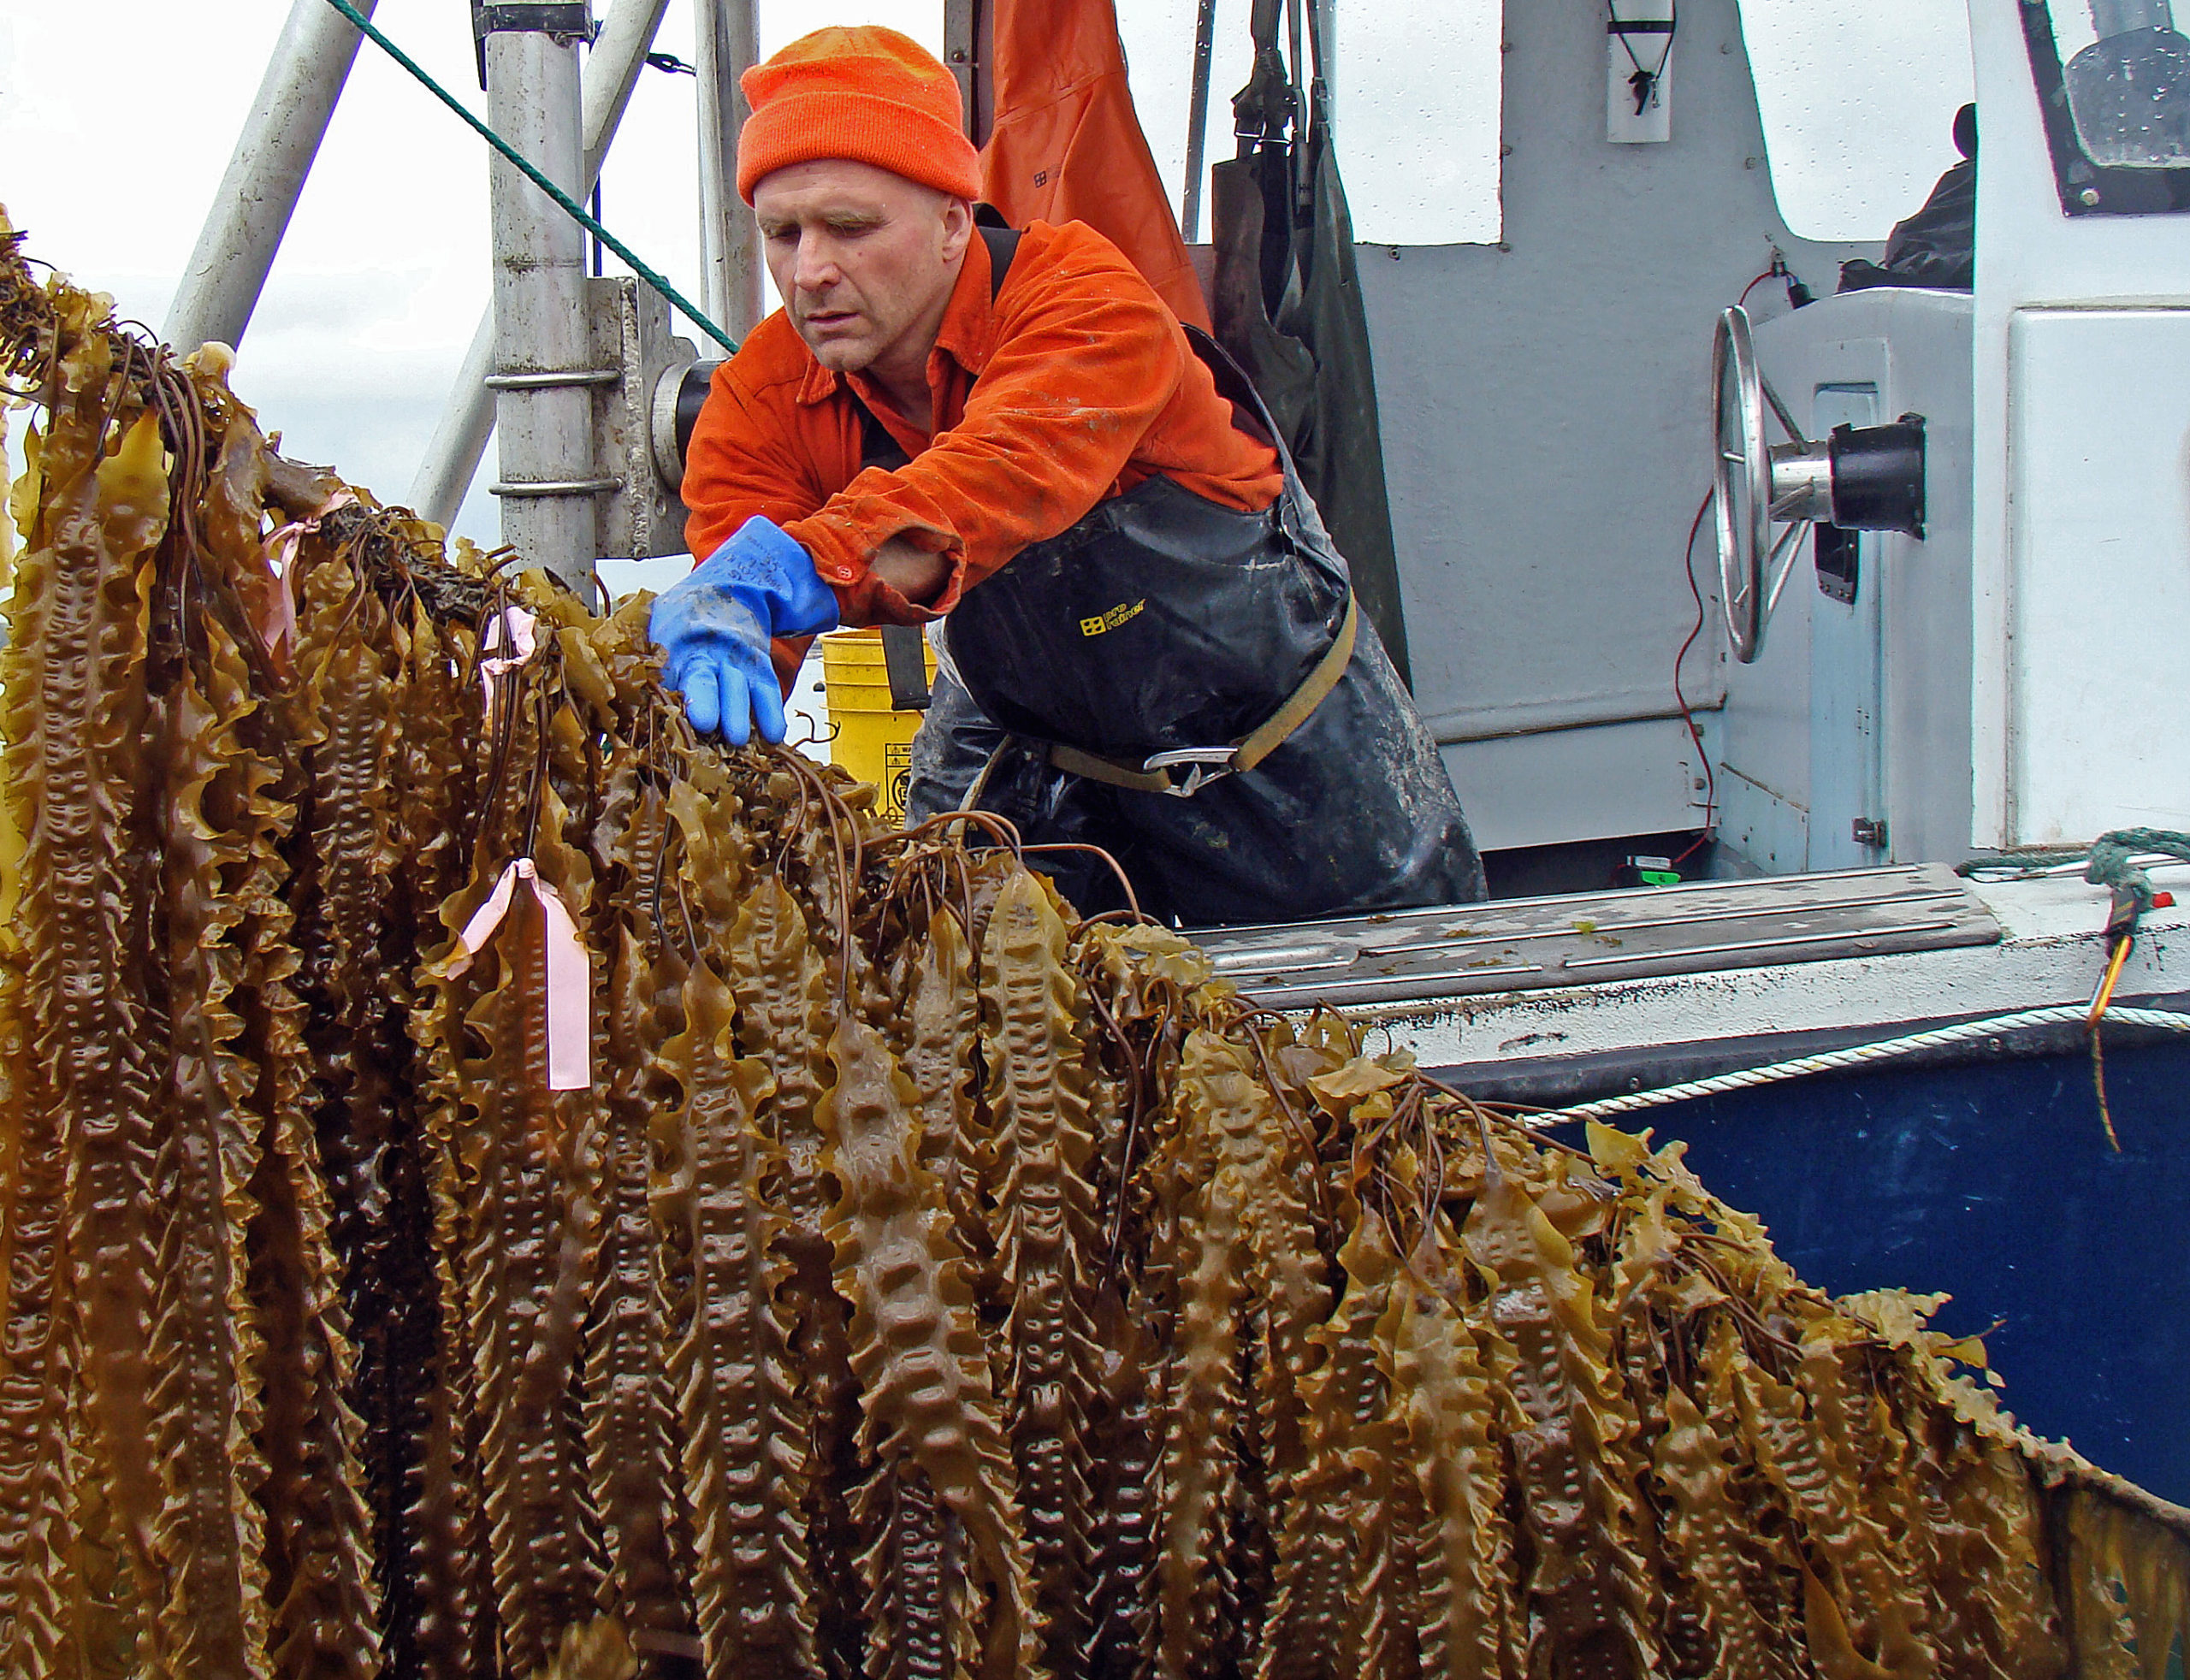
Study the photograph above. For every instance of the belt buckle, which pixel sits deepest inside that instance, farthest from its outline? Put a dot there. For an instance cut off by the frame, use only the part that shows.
(1203, 765)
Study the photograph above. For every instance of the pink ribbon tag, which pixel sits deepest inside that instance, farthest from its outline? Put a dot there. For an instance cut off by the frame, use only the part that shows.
(281, 556)
(569, 985)
(511, 628)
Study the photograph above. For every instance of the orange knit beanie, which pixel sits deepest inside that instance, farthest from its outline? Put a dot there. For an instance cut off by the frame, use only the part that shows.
(865, 93)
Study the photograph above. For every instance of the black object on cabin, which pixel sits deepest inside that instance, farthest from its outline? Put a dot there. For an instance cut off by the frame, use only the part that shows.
(1935, 249)
(1287, 306)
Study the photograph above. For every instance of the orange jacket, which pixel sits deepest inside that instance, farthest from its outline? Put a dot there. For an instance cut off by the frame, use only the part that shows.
(1066, 145)
(1087, 387)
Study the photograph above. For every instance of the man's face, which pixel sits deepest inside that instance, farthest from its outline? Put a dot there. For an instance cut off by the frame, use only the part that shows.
(864, 260)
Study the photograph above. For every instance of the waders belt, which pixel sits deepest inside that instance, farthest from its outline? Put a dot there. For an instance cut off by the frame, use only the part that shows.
(1204, 765)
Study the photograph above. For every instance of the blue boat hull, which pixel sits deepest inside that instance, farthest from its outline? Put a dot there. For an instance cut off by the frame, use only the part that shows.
(1994, 1181)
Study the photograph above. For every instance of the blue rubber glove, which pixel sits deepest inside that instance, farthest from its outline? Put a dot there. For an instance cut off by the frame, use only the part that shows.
(713, 628)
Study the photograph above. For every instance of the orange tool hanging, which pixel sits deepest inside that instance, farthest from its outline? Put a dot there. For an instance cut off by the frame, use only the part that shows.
(1066, 144)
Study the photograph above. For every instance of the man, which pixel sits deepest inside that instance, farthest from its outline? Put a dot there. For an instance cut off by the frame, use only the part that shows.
(1012, 434)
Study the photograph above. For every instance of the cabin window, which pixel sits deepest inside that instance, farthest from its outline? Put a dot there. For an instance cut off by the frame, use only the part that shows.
(2114, 82)
(1858, 100)
(1415, 109)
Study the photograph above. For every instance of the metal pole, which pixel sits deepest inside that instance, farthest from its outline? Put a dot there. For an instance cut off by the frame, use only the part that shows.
(1198, 119)
(548, 487)
(235, 248)
(726, 42)
(613, 67)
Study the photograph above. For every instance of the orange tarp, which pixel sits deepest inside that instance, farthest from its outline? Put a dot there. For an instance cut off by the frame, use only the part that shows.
(1066, 145)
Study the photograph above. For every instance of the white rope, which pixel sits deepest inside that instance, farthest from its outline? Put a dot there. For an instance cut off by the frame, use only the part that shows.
(1856, 1056)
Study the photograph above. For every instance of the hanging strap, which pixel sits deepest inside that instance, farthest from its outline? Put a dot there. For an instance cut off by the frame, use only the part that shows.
(1204, 765)
(1262, 111)
(904, 648)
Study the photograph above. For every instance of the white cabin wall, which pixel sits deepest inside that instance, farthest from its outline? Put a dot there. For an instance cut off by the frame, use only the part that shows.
(2081, 616)
(1545, 418)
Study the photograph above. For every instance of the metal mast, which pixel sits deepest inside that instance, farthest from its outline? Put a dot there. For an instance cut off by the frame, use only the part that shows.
(727, 38)
(611, 69)
(543, 360)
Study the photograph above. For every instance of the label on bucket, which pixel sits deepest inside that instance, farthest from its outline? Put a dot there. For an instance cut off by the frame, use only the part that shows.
(896, 778)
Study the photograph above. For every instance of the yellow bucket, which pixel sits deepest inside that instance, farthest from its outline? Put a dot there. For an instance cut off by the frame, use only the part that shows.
(873, 741)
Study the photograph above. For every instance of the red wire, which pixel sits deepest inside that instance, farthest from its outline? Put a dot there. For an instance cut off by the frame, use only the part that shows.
(1687, 712)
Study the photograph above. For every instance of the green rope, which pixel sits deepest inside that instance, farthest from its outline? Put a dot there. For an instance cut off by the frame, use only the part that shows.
(2111, 854)
(569, 205)
(2109, 861)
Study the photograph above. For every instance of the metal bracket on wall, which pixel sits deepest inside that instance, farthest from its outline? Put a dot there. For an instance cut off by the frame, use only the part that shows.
(566, 20)
(551, 381)
(965, 47)
(631, 331)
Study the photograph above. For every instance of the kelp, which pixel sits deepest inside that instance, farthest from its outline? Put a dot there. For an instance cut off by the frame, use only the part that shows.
(917, 1281)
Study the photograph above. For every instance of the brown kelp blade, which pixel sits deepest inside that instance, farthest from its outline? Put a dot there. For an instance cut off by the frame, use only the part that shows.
(911, 1279)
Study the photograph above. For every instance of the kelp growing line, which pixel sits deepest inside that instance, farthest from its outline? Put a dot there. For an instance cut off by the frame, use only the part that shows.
(916, 1281)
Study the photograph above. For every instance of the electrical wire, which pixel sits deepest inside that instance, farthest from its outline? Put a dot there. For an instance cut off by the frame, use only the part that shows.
(1858, 1055)
(1680, 695)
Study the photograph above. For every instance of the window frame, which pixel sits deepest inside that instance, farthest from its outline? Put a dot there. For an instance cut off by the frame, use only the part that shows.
(2087, 187)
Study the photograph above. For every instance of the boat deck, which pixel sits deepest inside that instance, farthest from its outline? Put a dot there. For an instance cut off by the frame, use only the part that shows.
(1565, 999)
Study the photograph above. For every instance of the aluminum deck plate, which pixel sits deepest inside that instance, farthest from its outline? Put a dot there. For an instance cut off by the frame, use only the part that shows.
(1526, 944)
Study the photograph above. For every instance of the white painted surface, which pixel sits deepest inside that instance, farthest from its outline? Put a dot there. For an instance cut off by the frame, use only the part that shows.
(1546, 427)
(1847, 693)
(2029, 254)
(2099, 474)
(1577, 784)
(2052, 953)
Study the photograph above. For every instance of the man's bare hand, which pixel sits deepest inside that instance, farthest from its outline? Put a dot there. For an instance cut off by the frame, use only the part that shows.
(912, 572)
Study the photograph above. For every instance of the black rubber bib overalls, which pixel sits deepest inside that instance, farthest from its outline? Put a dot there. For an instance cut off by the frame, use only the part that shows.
(1157, 644)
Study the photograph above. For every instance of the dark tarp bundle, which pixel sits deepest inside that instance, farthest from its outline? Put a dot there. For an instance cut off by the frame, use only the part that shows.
(1287, 303)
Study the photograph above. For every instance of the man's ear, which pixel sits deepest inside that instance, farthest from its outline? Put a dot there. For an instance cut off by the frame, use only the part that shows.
(957, 229)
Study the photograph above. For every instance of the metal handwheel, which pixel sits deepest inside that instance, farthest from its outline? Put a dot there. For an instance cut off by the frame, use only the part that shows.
(1866, 478)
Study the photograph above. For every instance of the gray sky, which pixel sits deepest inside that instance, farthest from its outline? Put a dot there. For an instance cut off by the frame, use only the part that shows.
(384, 270)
